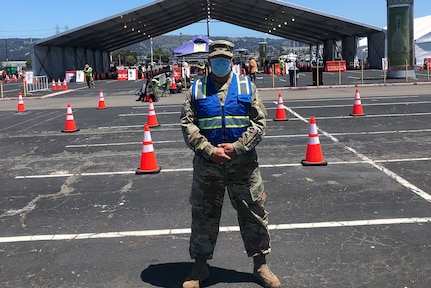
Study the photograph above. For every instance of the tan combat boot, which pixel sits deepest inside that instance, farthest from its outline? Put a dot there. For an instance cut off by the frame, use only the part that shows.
(264, 274)
(198, 275)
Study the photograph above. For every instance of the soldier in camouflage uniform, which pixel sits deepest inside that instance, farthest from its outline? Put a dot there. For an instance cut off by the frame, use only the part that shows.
(222, 120)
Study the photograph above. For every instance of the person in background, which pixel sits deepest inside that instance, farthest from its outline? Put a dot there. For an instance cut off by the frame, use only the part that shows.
(294, 75)
(281, 65)
(253, 69)
(222, 120)
(88, 70)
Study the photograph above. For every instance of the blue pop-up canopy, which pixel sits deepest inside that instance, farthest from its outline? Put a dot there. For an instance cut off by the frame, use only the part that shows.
(199, 44)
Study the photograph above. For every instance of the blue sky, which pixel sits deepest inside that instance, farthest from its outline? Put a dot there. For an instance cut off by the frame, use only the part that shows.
(42, 18)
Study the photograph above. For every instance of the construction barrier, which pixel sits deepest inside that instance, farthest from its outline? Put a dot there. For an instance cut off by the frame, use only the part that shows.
(132, 74)
(335, 66)
(36, 83)
(80, 76)
(122, 74)
(70, 76)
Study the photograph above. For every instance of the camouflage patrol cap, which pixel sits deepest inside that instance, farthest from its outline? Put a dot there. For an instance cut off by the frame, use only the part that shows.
(221, 48)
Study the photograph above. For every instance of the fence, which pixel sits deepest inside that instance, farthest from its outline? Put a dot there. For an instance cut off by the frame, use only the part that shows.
(36, 83)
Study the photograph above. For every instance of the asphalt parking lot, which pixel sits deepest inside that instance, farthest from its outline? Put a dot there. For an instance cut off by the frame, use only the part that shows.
(74, 214)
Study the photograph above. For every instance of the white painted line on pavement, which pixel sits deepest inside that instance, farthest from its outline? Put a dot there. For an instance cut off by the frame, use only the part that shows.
(351, 105)
(143, 114)
(120, 144)
(64, 174)
(161, 232)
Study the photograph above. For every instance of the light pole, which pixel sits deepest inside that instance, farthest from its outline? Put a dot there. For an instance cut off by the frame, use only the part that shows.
(151, 49)
(119, 59)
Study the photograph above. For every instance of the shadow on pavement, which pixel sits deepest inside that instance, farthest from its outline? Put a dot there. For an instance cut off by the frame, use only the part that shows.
(173, 274)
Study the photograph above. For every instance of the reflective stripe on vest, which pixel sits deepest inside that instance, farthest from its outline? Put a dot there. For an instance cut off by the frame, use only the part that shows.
(243, 85)
(210, 123)
(237, 121)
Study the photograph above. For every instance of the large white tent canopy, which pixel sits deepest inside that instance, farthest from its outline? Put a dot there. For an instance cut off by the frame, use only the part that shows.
(422, 39)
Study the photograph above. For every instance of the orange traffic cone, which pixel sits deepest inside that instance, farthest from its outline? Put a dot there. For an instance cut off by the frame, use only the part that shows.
(313, 156)
(280, 114)
(152, 119)
(21, 106)
(148, 157)
(70, 122)
(102, 104)
(14, 78)
(147, 93)
(173, 88)
(53, 85)
(65, 84)
(357, 106)
(59, 87)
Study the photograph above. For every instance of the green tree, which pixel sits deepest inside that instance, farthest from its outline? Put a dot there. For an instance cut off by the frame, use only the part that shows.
(124, 57)
(160, 55)
(130, 60)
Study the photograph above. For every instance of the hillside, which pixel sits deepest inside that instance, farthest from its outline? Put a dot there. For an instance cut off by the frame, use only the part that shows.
(15, 49)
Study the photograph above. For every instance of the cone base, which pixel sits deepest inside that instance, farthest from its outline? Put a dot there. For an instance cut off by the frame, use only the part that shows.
(101, 108)
(275, 119)
(69, 131)
(154, 171)
(351, 114)
(308, 163)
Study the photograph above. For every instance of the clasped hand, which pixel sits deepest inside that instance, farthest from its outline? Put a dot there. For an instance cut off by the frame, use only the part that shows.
(223, 153)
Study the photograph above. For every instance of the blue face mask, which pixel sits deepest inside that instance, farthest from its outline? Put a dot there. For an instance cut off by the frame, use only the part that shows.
(220, 66)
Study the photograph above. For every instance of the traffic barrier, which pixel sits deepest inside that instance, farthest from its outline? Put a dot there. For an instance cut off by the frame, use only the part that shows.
(357, 106)
(280, 114)
(53, 86)
(122, 74)
(101, 104)
(21, 106)
(36, 83)
(313, 155)
(152, 119)
(335, 66)
(70, 121)
(148, 163)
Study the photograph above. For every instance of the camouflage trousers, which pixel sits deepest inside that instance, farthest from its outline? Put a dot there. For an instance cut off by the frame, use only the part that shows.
(241, 178)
